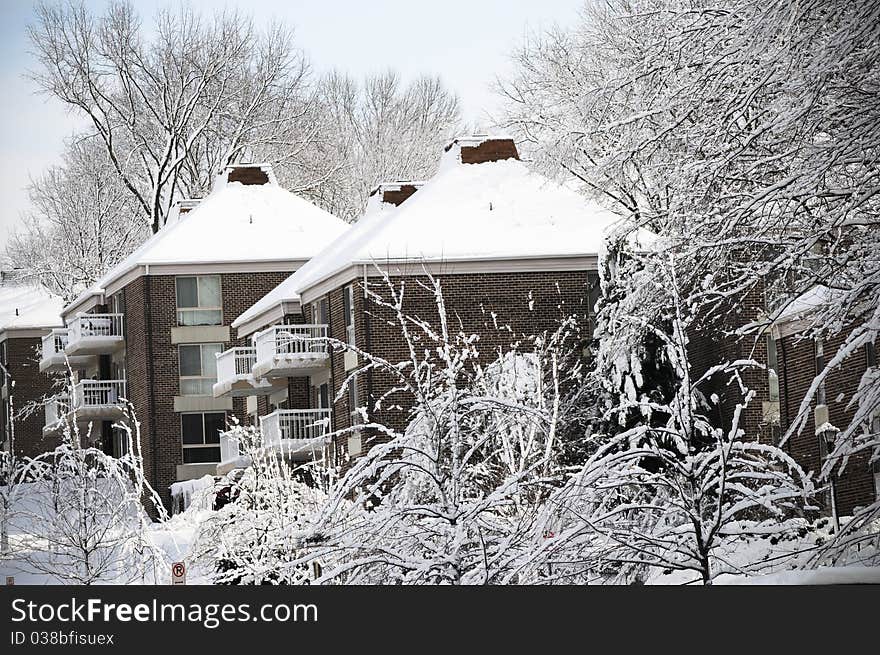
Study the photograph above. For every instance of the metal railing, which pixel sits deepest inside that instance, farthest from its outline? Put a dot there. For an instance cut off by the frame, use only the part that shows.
(290, 340)
(95, 325)
(55, 342)
(98, 393)
(235, 362)
(294, 424)
(57, 408)
(229, 447)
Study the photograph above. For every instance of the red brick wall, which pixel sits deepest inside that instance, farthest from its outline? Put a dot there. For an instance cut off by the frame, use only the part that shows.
(855, 486)
(30, 390)
(152, 361)
(471, 300)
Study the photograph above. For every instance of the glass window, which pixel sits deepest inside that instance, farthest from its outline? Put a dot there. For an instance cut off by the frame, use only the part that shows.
(820, 366)
(198, 368)
(356, 418)
(200, 435)
(324, 396)
(773, 369)
(871, 354)
(199, 300)
(348, 307)
(320, 313)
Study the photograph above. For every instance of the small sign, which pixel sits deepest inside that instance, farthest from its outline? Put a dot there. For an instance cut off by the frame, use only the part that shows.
(178, 573)
(10, 580)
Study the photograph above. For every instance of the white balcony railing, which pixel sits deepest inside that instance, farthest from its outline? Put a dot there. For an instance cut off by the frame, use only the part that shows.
(236, 363)
(57, 408)
(229, 447)
(95, 325)
(296, 429)
(291, 340)
(54, 343)
(98, 393)
(285, 349)
(91, 334)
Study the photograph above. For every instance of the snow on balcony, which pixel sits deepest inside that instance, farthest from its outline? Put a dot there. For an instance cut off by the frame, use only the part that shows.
(235, 376)
(298, 433)
(99, 399)
(56, 408)
(53, 357)
(285, 351)
(94, 334)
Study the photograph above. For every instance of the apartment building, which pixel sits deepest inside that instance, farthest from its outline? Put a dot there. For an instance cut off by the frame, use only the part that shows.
(149, 330)
(28, 314)
(793, 361)
(515, 253)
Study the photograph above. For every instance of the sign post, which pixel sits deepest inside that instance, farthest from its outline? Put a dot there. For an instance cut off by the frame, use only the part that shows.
(178, 573)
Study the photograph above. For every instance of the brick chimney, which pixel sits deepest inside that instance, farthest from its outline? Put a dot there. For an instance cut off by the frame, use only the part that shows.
(394, 193)
(482, 148)
(254, 174)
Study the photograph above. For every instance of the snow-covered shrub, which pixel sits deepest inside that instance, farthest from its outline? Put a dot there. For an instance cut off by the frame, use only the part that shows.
(452, 499)
(256, 537)
(668, 489)
(85, 516)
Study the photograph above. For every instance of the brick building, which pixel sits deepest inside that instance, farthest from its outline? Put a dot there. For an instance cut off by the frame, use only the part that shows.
(150, 329)
(515, 253)
(27, 315)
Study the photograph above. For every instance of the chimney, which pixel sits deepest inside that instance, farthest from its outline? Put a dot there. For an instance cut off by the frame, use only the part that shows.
(253, 174)
(482, 148)
(394, 193)
(186, 205)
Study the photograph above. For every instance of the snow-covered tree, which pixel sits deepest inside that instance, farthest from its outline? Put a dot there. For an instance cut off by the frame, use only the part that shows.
(84, 512)
(747, 135)
(382, 130)
(674, 488)
(174, 103)
(452, 498)
(82, 221)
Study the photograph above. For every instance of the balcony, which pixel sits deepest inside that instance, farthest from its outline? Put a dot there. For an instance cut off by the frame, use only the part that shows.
(94, 334)
(56, 408)
(235, 377)
(53, 357)
(286, 351)
(298, 433)
(99, 399)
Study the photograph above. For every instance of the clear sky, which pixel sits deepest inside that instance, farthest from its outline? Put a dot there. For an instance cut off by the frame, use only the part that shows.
(466, 42)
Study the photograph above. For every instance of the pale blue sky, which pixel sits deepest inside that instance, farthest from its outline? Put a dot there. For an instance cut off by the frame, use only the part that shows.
(466, 42)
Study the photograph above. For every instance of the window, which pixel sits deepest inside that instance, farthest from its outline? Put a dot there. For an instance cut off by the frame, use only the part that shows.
(820, 366)
(120, 443)
(871, 354)
(199, 300)
(356, 418)
(198, 368)
(348, 306)
(324, 396)
(200, 434)
(320, 312)
(773, 369)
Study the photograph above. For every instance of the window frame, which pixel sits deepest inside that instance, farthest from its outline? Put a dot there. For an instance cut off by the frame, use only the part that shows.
(348, 314)
(181, 377)
(205, 444)
(198, 307)
(354, 416)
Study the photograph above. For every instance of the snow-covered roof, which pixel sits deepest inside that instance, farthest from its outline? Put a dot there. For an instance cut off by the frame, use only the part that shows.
(466, 212)
(235, 223)
(27, 306)
(806, 303)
